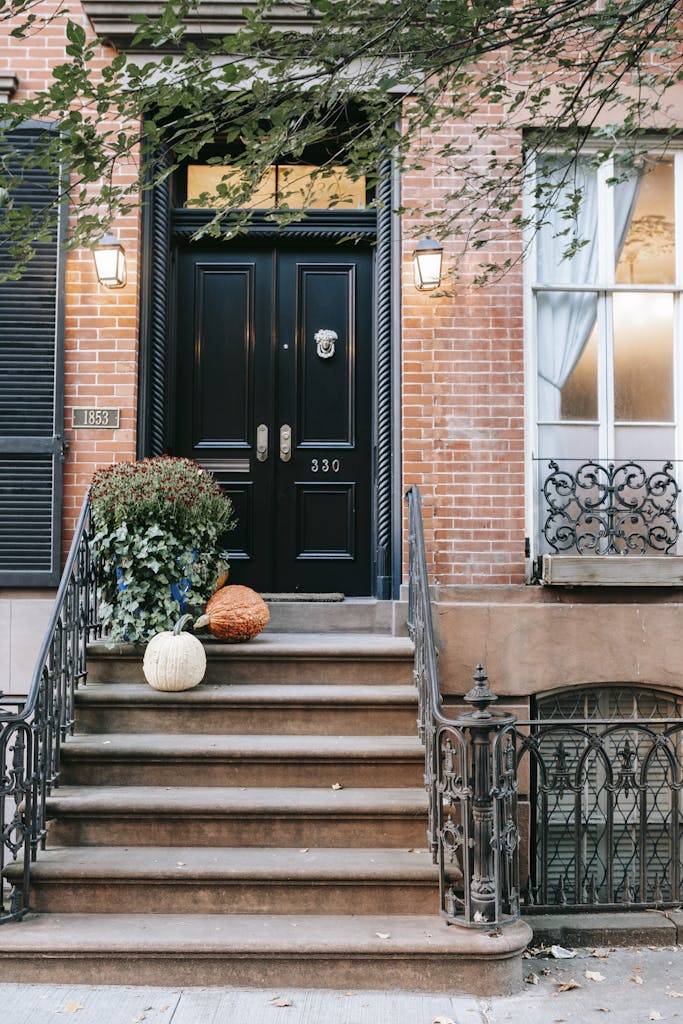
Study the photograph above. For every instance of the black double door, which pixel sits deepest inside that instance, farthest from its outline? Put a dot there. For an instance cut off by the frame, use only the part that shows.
(274, 395)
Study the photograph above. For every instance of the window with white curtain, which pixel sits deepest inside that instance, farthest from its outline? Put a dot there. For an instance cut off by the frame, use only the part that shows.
(604, 322)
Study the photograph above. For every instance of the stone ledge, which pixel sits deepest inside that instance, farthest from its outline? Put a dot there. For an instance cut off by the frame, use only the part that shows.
(630, 928)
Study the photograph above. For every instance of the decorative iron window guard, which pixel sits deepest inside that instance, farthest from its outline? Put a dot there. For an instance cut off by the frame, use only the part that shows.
(606, 800)
(611, 509)
(470, 776)
(32, 730)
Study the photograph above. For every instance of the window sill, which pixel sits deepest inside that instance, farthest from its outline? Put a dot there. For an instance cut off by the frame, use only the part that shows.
(612, 571)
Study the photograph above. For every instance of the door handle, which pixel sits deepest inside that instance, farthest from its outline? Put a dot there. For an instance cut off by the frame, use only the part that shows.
(285, 442)
(262, 442)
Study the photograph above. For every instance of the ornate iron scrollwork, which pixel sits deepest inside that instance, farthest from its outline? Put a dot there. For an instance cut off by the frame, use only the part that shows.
(611, 509)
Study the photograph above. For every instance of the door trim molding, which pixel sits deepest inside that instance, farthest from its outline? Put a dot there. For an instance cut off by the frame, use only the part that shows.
(164, 228)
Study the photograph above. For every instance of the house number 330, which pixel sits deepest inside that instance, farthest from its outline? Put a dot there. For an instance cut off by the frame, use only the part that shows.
(325, 466)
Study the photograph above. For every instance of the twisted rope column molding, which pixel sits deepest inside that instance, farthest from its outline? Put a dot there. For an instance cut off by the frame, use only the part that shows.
(383, 384)
(158, 325)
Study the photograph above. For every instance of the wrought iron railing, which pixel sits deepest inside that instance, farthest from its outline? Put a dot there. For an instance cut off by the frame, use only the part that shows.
(606, 800)
(32, 730)
(470, 776)
(608, 509)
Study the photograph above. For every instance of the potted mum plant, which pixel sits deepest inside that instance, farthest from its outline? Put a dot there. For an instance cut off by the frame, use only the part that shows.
(161, 526)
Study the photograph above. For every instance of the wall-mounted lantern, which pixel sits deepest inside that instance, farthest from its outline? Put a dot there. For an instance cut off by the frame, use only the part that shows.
(427, 264)
(110, 261)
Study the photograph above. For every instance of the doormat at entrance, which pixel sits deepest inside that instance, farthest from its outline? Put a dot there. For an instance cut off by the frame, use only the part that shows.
(302, 597)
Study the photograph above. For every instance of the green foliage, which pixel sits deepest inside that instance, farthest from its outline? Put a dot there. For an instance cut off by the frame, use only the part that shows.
(478, 74)
(160, 533)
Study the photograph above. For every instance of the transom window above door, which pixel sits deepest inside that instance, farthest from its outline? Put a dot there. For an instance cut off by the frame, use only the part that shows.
(282, 186)
(605, 355)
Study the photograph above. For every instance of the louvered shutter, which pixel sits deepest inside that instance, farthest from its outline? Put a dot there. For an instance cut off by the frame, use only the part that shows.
(31, 388)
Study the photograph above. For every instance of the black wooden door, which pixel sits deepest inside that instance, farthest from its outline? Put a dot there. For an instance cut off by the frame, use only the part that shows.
(281, 416)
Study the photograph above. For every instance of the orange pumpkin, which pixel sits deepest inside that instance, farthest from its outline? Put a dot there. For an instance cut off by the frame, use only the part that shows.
(234, 614)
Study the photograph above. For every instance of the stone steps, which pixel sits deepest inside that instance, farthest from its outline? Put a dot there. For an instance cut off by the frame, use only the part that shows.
(242, 880)
(415, 952)
(241, 760)
(223, 816)
(281, 658)
(267, 827)
(251, 708)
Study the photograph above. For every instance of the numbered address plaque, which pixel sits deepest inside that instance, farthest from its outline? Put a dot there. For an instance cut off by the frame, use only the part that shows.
(93, 419)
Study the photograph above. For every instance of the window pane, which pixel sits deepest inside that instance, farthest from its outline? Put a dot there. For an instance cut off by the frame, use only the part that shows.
(293, 186)
(299, 188)
(567, 355)
(643, 357)
(647, 255)
(651, 445)
(574, 443)
(205, 179)
(570, 191)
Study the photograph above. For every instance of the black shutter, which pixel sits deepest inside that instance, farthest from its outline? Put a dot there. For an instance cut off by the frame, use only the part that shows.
(31, 386)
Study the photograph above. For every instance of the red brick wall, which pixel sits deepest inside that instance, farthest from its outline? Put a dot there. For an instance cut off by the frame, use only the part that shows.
(463, 393)
(101, 326)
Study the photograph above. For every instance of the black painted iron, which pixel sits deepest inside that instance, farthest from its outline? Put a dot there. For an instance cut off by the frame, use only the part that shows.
(33, 730)
(470, 772)
(611, 509)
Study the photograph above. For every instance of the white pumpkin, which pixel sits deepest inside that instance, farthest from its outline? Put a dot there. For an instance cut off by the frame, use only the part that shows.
(174, 660)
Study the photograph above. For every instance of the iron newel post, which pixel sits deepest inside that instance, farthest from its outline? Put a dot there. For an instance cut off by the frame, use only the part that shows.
(483, 725)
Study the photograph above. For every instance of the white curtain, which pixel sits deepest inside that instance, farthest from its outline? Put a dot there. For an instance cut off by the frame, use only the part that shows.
(565, 319)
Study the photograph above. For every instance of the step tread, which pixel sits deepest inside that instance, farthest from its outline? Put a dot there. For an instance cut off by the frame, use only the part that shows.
(210, 801)
(149, 746)
(195, 864)
(68, 935)
(295, 694)
(319, 646)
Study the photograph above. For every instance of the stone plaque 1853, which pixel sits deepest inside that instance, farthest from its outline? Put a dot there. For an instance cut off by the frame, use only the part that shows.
(105, 419)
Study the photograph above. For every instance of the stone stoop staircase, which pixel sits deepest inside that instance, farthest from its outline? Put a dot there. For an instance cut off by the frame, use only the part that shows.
(265, 828)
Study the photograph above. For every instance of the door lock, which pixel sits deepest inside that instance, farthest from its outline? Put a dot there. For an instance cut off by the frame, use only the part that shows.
(285, 442)
(262, 442)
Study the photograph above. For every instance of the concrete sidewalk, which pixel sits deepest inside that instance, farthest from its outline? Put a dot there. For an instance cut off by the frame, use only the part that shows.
(622, 986)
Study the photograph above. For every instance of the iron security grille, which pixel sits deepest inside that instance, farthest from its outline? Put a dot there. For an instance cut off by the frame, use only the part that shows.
(610, 509)
(606, 780)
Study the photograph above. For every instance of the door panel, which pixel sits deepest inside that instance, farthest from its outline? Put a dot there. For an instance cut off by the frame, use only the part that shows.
(249, 371)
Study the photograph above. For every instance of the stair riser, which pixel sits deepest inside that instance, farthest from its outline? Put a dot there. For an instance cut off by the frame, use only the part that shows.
(359, 774)
(401, 897)
(240, 830)
(483, 976)
(286, 671)
(233, 721)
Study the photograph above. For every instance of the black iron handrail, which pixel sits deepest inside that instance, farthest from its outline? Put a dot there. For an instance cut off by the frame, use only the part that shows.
(31, 735)
(470, 772)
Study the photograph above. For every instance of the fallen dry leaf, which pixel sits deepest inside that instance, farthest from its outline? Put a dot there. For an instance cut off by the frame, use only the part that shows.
(304, 850)
(594, 975)
(442, 1020)
(280, 1002)
(140, 1017)
(532, 979)
(73, 1007)
(675, 995)
(567, 986)
(337, 785)
(600, 954)
(655, 1015)
(382, 935)
(546, 972)
(637, 979)
(603, 1009)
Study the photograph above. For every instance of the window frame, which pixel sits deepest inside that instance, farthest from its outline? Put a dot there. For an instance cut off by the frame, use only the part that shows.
(604, 288)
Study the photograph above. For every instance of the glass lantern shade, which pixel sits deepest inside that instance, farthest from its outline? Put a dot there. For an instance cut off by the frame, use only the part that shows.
(110, 262)
(427, 259)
